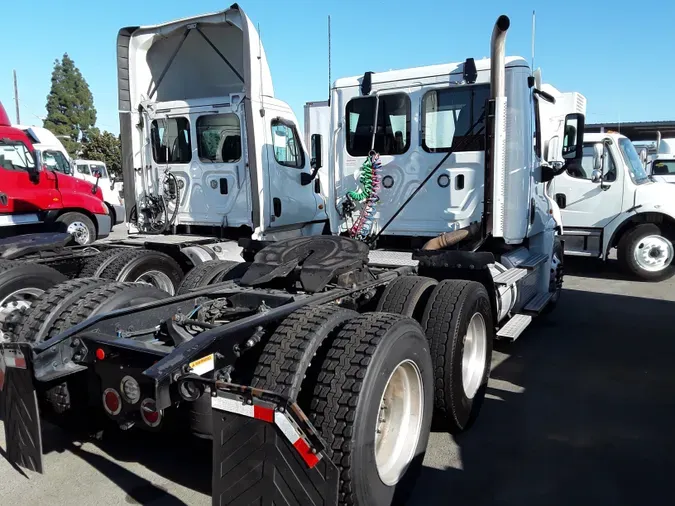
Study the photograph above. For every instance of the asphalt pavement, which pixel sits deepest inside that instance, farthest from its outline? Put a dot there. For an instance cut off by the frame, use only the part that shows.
(579, 411)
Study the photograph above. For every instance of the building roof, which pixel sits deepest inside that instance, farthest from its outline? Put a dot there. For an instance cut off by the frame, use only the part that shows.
(637, 130)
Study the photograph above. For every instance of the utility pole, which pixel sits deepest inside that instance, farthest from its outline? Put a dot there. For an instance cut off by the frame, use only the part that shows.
(16, 100)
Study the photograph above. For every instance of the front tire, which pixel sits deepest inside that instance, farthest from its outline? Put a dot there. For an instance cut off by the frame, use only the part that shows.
(79, 226)
(458, 323)
(645, 252)
(373, 404)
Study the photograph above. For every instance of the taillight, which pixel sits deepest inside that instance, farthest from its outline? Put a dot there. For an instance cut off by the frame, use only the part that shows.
(112, 402)
(149, 413)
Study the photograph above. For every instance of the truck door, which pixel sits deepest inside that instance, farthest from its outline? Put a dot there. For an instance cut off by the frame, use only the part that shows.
(291, 202)
(587, 204)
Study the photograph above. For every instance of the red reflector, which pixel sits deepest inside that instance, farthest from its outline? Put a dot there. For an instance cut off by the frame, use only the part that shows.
(265, 414)
(310, 458)
(152, 416)
(112, 401)
(149, 413)
(100, 354)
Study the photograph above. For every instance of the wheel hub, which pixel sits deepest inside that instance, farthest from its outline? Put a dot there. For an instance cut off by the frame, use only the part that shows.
(653, 253)
(474, 355)
(157, 279)
(79, 231)
(15, 303)
(399, 422)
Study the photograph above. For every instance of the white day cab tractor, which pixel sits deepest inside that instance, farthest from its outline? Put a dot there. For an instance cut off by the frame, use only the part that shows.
(319, 358)
(610, 201)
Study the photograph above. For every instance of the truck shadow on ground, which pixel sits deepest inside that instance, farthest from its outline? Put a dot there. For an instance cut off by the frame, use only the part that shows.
(581, 412)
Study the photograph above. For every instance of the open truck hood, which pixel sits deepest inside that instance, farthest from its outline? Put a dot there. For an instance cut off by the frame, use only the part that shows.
(212, 55)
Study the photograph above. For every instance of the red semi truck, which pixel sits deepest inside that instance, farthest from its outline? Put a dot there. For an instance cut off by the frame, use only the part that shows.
(34, 198)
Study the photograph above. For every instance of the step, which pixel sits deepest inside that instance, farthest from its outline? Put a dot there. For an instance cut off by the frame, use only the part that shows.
(533, 261)
(391, 258)
(538, 302)
(515, 326)
(510, 276)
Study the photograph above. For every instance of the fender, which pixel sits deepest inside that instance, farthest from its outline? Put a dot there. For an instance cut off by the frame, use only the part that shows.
(76, 193)
(647, 213)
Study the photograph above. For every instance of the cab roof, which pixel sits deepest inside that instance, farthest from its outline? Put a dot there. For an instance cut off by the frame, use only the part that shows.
(4, 119)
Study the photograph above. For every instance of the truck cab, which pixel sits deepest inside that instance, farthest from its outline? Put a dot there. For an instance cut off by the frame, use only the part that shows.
(206, 146)
(610, 201)
(55, 156)
(33, 196)
(661, 167)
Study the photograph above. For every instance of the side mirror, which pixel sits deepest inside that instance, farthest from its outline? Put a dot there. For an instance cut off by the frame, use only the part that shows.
(643, 156)
(317, 153)
(596, 176)
(598, 153)
(113, 180)
(34, 171)
(573, 139)
(316, 161)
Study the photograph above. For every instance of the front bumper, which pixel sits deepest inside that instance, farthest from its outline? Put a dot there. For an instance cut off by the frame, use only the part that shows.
(103, 225)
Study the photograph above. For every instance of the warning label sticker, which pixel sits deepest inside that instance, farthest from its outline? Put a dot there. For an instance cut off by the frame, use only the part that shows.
(203, 365)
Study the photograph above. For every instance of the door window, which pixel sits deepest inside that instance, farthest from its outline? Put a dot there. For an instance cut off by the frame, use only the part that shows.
(393, 124)
(171, 140)
(585, 170)
(83, 168)
(98, 168)
(447, 116)
(286, 143)
(219, 138)
(14, 155)
(56, 161)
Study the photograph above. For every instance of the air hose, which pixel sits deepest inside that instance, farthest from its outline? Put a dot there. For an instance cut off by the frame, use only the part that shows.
(367, 194)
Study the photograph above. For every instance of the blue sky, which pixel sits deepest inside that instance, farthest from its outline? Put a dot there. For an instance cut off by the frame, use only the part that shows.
(619, 55)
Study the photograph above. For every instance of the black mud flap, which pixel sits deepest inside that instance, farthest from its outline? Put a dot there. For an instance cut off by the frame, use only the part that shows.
(267, 453)
(20, 406)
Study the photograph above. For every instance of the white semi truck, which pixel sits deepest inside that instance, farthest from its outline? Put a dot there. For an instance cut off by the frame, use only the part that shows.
(320, 357)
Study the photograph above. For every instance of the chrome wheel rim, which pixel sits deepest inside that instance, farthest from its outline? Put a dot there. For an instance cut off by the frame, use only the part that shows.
(653, 253)
(17, 301)
(157, 279)
(79, 231)
(473, 357)
(399, 422)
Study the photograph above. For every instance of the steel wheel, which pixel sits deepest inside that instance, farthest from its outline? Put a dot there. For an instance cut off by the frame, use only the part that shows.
(473, 358)
(80, 232)
(399, 422)
(18, 300)
(653, 253)
(157, 279)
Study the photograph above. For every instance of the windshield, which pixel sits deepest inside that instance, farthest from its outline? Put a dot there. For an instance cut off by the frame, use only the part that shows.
(97, 167)
(632, 159)
(14, 155)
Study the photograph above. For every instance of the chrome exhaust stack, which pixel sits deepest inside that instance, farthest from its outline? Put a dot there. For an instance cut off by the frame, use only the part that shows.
(498, 57)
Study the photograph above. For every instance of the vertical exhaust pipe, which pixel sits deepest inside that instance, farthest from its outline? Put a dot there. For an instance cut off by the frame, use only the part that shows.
(497, 57)
(658, 141)
(495, 156)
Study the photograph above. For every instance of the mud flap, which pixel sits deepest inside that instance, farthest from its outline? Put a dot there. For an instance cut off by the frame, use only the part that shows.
(20, 405)
(267, 453)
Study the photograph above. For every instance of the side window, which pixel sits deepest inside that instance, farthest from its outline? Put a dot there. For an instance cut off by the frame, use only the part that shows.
(447, 116)
(56, 161)
(663, 167)
(392, 136)
(171, 140)
(219, 138)
(585, 170)
(83, 168)
(287, 148)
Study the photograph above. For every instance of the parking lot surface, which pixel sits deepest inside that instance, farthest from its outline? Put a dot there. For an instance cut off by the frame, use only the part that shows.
(580, 410)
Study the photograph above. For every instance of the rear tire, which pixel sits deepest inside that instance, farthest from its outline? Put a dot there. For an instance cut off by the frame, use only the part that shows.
(94, 266)
(21, 285)
(145, 266)
(407, 296)
(210, 273)
(371, 354)
(645, 252)
(38, 321)
(458, 323)
(79, 226)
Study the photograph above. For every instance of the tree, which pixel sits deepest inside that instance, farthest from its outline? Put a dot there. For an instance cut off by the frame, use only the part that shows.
(105, 147)
(71, 114)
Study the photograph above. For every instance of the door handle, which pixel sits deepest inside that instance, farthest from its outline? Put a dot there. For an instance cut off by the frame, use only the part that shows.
(561, 200)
